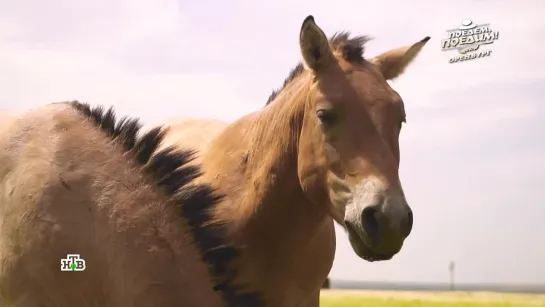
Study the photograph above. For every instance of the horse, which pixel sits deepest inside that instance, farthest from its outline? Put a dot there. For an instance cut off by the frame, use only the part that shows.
(324, 148)
(76, 182)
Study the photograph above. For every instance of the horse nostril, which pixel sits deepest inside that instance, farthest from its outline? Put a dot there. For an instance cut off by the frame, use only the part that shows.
(409, 222)
(370, 224)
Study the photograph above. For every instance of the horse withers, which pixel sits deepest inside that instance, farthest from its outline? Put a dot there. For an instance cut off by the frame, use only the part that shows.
(325, 147)
(73, 180)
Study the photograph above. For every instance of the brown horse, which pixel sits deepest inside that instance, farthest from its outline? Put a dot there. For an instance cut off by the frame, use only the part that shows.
(324, 148)
(75, 180)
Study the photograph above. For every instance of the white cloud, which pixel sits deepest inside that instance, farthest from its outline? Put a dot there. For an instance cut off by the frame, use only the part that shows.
(466, 114)
(38, 77)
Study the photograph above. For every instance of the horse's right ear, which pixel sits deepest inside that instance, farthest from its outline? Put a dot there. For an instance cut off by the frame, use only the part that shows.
(314, 46)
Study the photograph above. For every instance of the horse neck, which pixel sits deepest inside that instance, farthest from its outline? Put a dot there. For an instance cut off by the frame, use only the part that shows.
(276, 129)
(272, 158)
(271, 195)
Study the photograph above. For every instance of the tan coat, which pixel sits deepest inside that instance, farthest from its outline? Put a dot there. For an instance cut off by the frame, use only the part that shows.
(73, 180)
(326, 147)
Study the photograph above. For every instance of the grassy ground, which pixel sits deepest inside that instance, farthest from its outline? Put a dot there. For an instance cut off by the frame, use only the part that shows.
(339, 298)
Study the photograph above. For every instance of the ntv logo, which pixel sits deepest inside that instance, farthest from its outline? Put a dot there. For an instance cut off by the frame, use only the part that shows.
(72, 262)
(467, 39)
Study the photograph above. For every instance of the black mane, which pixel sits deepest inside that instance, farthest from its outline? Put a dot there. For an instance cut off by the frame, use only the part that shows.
(350, 48)
(169, 168)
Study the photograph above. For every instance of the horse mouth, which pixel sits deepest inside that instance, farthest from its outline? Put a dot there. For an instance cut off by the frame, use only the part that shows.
(362, 247)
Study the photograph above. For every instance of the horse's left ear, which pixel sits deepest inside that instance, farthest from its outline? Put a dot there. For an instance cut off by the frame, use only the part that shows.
(315, 50)
(392, 63)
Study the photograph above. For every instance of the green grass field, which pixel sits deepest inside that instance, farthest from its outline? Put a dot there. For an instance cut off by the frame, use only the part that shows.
(339, 298)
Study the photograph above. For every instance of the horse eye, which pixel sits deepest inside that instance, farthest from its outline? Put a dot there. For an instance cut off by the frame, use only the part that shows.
(326, 117)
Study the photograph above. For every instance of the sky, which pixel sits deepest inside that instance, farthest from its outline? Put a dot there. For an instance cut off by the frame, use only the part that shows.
(472, 150)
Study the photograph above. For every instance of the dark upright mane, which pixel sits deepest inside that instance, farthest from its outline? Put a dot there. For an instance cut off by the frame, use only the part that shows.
(169, 168)
(351, 50)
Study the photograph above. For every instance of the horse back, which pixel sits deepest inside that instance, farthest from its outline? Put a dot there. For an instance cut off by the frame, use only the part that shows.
(66, 188)
(192, 133)
(39, 208)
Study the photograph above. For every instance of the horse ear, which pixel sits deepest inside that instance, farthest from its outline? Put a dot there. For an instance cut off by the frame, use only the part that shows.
(392, 63)
(314, 46)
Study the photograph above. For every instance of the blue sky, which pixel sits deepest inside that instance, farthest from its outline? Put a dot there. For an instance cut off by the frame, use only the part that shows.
(472, 150)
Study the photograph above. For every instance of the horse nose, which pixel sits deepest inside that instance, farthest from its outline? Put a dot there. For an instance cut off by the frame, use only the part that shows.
(370, 224)
(409, 221)
(387, 222)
